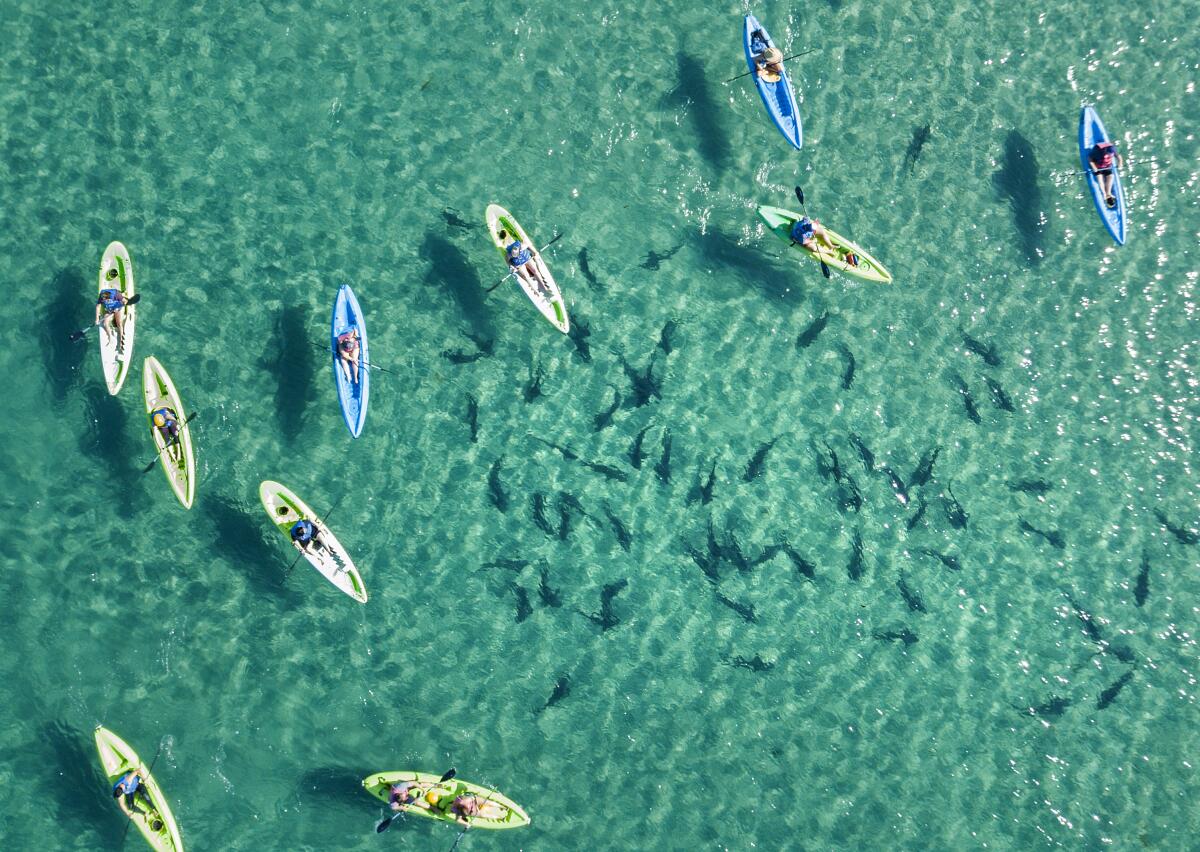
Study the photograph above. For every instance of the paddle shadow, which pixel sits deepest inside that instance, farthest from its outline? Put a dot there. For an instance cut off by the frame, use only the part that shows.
(753, 262)
(453, 274)
(705, 111)
(1017, 180)
(293, 365)
(106, 439)
(75, 782)
(238, 538)
(337, 785)
(65, 313)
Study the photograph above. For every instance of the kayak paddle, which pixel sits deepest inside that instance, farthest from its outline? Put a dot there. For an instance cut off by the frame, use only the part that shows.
(76, 335)
(506, 277)
(785, 59)
(332, 509)
(154, 460)
(816, 242)
(368, 366)
(385, 824)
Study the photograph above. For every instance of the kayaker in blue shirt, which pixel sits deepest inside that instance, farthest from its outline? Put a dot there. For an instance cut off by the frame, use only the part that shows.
(807, 232)
(110, 310)
(306, 535)
(347, 347)
(522, 260)
(167, 423)
(1101, 159)
(125, 792)
(768, 61)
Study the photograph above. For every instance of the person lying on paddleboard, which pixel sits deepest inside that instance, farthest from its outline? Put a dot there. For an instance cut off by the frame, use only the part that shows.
(348, 353)
(522, 260)
(167, 423)
(1101, 159)
(768, 61)
(110, 309)
(306, 535)
(125, 791)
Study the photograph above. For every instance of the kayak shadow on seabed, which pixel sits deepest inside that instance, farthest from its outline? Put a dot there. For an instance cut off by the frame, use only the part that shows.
(105, 437)
(338, 785)
(238, 538)
(64, 314)
(453, 274)
(772, 279)
(693, 94)
(74, 783)
(1017, 181)
(293, 367)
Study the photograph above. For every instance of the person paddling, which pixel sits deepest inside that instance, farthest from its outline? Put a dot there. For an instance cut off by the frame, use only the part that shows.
(306, 535)
(348, 349)
(807, 232)
(768, 61)
(522, 260)
(125, 792)
(166, 421)
(1101, 158)
(406, 793)
(110, 310)
(464, 807)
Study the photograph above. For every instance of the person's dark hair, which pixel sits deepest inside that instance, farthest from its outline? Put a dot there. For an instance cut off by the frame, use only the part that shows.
(503, 234)
(116, 792)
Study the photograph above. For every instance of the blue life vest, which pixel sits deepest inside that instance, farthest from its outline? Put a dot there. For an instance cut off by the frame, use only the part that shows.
(522, 257)
(110, 299)
(303, 531)
(802, 230)
(171, 426)
(128, 787)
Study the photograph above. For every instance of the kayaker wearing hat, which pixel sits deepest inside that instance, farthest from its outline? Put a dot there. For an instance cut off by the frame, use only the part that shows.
(347, 347)
(521, 259)
(768, 61)
(807, 231)
(125, 792)
(407, 793)
(167, 423)
(110, 310)
(1101, 159)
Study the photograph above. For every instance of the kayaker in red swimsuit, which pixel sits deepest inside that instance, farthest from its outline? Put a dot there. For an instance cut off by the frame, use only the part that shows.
(1101, 159)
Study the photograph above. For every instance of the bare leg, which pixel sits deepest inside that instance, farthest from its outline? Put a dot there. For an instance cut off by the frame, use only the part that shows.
(355, 363)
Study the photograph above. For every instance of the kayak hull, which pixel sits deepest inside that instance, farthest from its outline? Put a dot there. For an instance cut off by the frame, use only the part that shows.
(554, 309)
(497, 811)
(869, 269)
(178, 462)
(779, 98)
(117, 758)
(285, 509)
(1091, 131)
(114, 359)
(352, 396)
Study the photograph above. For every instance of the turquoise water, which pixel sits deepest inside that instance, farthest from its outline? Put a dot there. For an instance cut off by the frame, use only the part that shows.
(255, 156)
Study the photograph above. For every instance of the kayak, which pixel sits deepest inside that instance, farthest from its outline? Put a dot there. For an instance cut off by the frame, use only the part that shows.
(868, 269)
(352, 396)
(113, 358)
(552, 306)
(177, 462)
(158, 825)
(779, 98)
(497, 810)
(285, 508)
(1091, 131)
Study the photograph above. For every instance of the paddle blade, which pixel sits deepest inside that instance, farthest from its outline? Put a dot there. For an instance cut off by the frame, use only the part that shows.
(800, 195)
(150, 466)
(76, 335)
(384, 826)
(824, 269)
(449, 774)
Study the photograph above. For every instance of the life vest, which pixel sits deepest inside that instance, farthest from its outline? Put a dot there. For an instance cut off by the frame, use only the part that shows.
(522, 255)
(303, 531)
(170, 427)
(1103, 155)
(128, 786)
(111, 300)
(803, 230)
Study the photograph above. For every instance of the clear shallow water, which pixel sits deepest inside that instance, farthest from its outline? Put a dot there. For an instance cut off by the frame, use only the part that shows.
(253, 157)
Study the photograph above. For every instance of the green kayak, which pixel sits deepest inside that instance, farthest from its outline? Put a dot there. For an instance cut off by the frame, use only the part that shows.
(496, 810)
(868, 268)
(152, 815)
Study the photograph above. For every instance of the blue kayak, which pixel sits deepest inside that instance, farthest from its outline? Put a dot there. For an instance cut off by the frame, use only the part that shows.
(352, 396)
(1091, 131)
(779, 97)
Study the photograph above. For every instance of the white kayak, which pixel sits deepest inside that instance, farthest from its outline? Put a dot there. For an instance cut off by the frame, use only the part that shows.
(153, 818)
(116, 273)
(334, 563)
(178, 462)
(550, 304)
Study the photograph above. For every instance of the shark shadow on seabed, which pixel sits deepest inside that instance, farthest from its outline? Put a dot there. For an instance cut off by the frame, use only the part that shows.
(1017, 180)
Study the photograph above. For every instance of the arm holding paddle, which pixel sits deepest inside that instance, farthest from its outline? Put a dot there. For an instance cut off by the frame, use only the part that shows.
(816, 240)
(396, 806)
(512, 270)
(77, 335)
